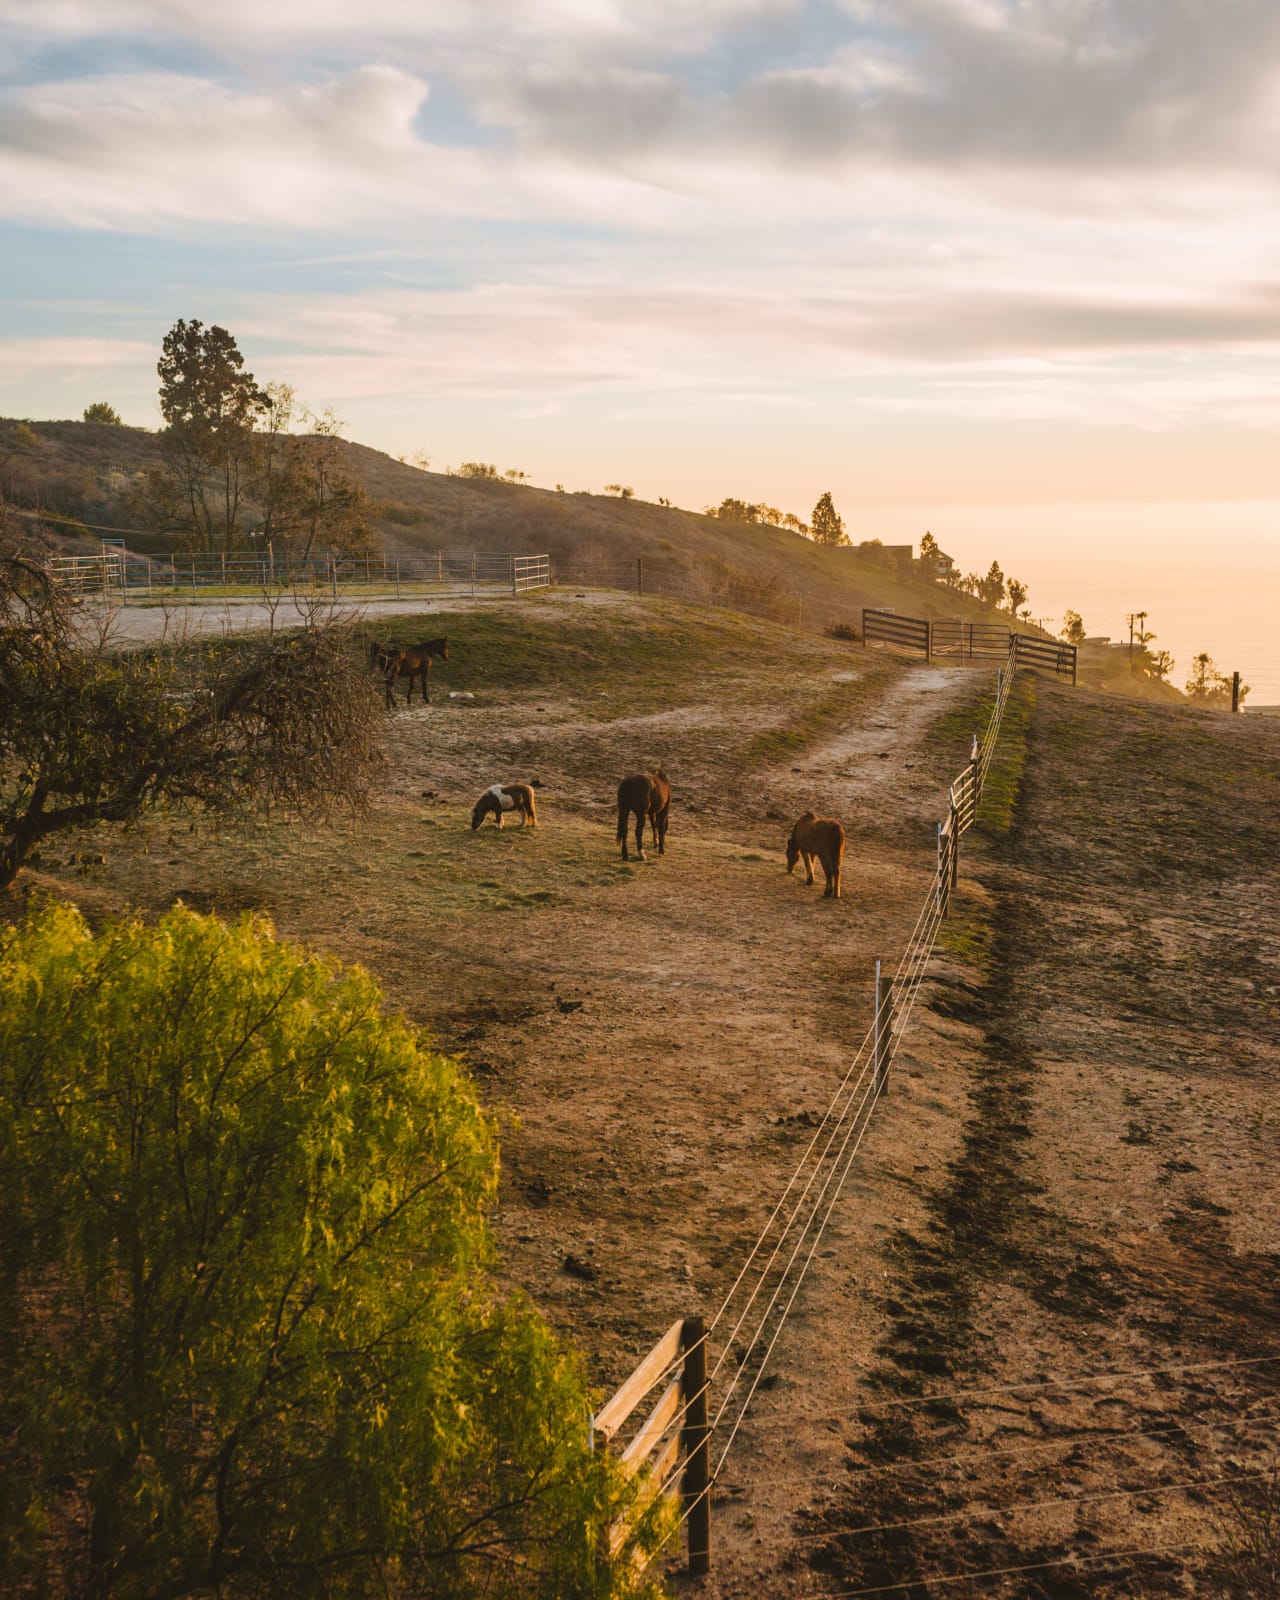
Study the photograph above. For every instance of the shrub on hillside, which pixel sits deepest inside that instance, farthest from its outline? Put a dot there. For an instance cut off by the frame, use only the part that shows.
(249, 1343)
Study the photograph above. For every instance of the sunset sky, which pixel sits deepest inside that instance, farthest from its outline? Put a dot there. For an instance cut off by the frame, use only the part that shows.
(947, 258)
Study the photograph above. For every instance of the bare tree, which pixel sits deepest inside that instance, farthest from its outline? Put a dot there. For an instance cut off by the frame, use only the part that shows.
(237, 725)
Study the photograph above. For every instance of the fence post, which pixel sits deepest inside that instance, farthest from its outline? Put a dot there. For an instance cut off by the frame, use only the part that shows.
(880, 1031)
(975, 771)
(940, 880)
(514, 590)
(639, 574)
(697, 1474)
(955, 853)
(1235, 692)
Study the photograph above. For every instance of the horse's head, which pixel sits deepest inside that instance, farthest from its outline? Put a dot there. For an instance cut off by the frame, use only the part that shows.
(444, 649)
(480, 810)
(793, 843)
(376, 653)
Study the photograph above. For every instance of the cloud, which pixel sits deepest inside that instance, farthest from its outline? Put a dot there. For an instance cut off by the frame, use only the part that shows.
(162, 149)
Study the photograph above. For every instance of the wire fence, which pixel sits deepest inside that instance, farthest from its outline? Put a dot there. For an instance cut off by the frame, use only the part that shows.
(119, 574)
(747, 1326)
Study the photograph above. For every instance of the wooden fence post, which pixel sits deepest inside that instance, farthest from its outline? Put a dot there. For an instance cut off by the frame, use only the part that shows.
(1235, 692)
(880, 1031)
(639, 574)
(955, 852)
(940, 878)
(697, 1447)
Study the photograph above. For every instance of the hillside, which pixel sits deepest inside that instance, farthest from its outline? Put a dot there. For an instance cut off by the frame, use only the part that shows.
(89, 471)
(1072, 1174)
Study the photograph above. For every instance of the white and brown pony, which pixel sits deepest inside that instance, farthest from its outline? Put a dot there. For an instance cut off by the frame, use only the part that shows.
(504, 797)
(408, 661)
(644, 796)
(823, 838)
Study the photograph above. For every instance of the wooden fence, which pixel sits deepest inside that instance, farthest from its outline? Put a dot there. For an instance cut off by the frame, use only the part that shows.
(948, 638)
(899, 633)
(675, 1430)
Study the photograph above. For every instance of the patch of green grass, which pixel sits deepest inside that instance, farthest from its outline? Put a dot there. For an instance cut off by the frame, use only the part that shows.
(999, 804)
(655, 651)
(969, 940)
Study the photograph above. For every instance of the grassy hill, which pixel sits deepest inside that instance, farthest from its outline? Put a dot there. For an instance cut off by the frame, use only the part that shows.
(91, 473)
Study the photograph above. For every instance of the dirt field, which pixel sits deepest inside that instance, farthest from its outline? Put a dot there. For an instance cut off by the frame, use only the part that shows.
(1073, 1174)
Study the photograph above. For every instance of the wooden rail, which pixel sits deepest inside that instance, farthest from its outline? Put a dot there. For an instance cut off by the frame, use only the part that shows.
(677, 1425)
(949, 638)
(899, 633)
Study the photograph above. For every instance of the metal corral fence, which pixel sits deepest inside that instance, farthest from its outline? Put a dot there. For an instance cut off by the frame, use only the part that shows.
(953, 640)
(684, 1441)
(120, 574)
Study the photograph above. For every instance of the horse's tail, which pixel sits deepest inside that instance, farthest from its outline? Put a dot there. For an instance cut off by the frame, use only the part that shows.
(623, 811)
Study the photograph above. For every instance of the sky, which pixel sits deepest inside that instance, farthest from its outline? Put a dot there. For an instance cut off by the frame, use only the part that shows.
(1005, 269)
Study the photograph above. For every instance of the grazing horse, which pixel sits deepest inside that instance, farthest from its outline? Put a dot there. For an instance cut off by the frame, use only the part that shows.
(822, 837)
(412, 661)
(644, 794)
(506, 797)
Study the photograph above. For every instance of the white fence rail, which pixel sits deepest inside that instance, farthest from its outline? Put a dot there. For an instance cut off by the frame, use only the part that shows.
(122, 575)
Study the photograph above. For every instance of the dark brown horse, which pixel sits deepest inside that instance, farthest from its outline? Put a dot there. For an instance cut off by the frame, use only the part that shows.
(644, 795)
(822, 837)
(410, 661)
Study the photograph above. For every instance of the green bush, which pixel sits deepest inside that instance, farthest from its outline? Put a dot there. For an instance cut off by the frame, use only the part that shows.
(247, 1338)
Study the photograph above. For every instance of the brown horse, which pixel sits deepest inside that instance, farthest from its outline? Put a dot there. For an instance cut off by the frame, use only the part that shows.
(506, 797)
(644, 795)
(822, 837)
(410, 661)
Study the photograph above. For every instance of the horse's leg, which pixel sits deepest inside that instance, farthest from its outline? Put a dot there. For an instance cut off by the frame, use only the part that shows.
(640, 836)
(387, 683)
(835, 878)
(808, 866)
(426, 680)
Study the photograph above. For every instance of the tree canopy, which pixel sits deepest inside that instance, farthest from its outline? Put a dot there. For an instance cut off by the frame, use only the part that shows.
(233, 462)
(100, 411)
(94, 734)
(826, 522)
(247, 1210)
